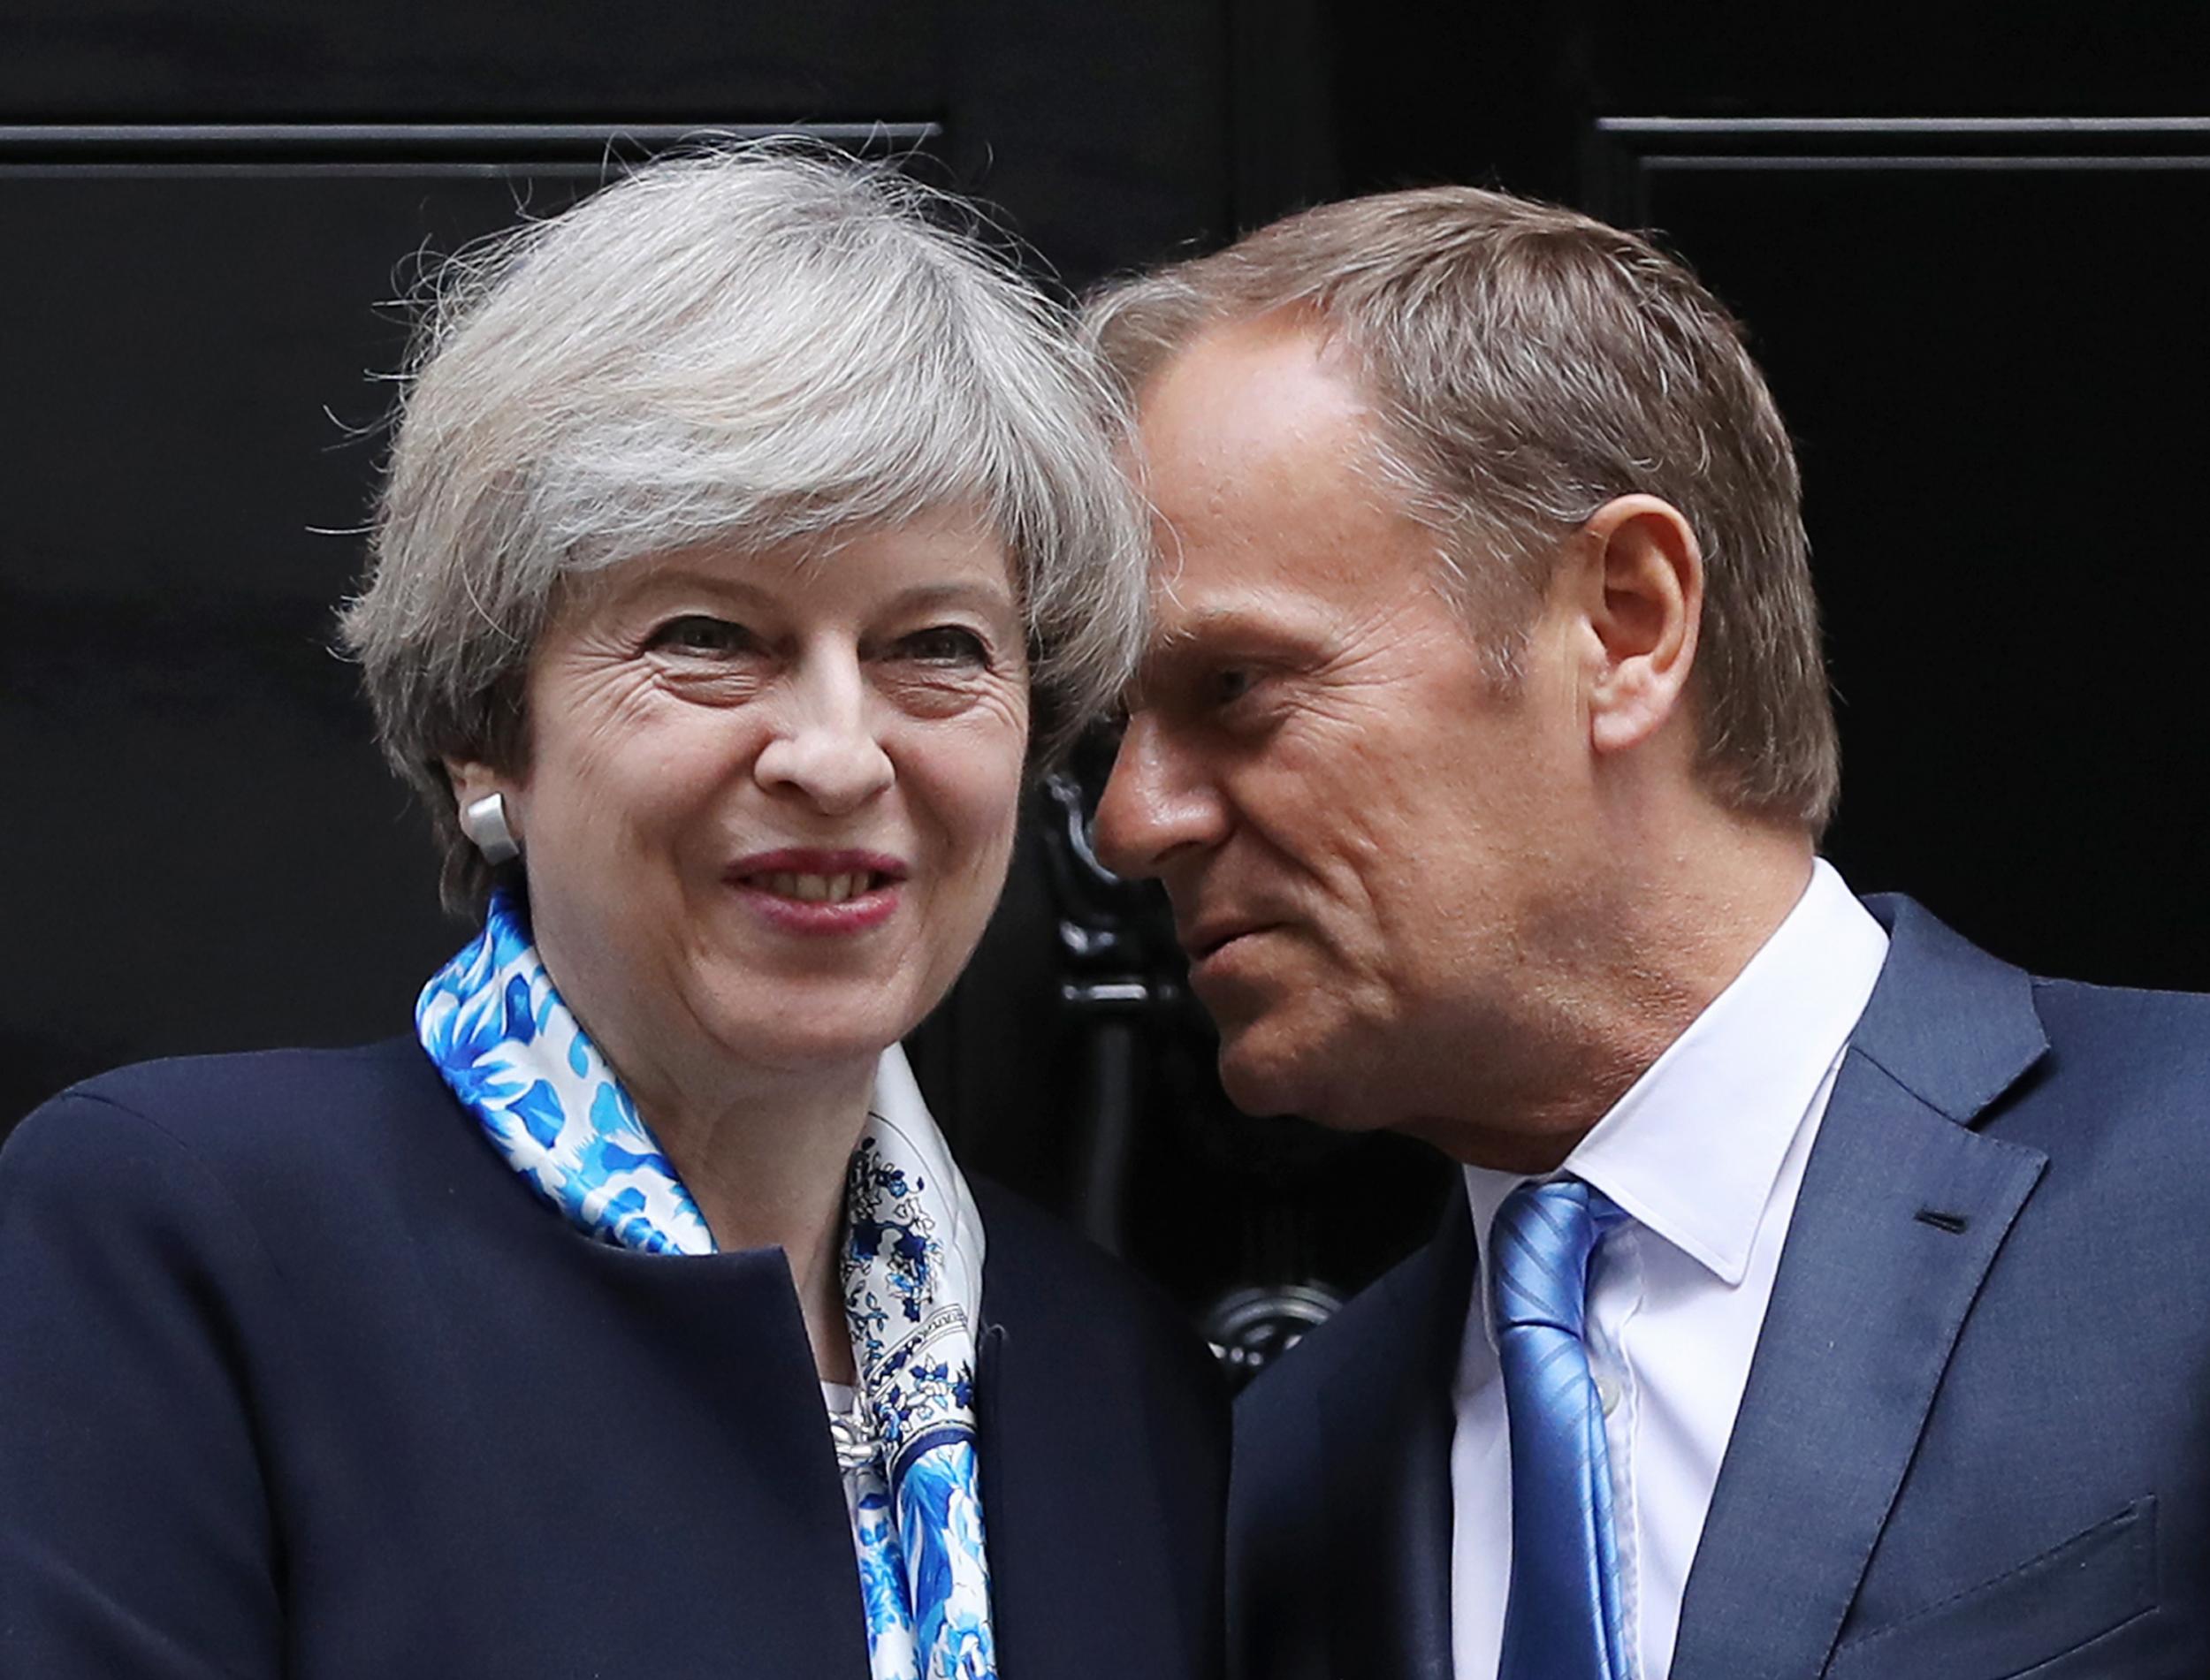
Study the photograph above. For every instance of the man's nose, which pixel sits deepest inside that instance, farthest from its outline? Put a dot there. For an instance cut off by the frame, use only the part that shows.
(825, 748)
(1156, 807)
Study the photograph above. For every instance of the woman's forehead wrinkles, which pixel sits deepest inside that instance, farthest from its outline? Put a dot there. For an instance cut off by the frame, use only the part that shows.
(741, 580)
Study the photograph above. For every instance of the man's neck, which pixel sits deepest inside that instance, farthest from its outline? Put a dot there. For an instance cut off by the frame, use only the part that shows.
(1682, 931)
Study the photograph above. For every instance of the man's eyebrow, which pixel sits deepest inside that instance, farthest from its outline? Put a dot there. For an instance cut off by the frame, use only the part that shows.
(1230, 632)
(1232, 623)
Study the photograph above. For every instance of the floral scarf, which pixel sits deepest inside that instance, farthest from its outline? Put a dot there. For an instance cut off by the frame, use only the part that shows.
(911, 1259)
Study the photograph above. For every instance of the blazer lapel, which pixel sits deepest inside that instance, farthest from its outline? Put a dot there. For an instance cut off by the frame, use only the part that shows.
(1103, 1503)
(1387, 1422)
(1035, 1501)
(1902, 1210)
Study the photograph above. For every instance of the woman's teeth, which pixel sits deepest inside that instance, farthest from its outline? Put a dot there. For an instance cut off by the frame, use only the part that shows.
(816, 889)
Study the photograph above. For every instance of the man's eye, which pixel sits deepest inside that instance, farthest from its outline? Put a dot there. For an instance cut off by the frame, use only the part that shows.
(946, 644)
(695, 633)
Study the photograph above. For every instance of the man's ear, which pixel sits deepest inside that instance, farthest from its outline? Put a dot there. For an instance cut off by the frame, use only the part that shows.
(1644, 601)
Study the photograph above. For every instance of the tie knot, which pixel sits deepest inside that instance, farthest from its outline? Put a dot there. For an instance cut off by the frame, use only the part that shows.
(1538, 1253)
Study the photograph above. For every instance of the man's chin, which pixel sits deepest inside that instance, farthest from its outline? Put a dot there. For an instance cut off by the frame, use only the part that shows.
(1265, 1078)
(1252, 1071)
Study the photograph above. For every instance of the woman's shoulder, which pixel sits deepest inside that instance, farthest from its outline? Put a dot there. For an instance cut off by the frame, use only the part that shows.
(1030, 1251)
(247, 1118)
(174, 1081)
(1044, 1281)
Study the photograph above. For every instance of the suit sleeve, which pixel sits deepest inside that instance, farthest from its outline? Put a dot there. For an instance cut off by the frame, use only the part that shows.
(136, 1305)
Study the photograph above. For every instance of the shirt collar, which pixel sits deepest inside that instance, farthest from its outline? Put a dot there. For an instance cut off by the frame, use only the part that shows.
(1693, 1150)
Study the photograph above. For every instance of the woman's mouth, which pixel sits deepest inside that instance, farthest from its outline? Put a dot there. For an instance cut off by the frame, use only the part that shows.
(812, 891)
(816, 889)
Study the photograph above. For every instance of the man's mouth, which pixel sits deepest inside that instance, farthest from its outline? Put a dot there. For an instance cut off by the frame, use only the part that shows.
(1209, 942)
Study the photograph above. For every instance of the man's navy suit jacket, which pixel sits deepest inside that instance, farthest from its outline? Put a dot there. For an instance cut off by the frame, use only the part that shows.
(298, 1378)
(1976, 1437)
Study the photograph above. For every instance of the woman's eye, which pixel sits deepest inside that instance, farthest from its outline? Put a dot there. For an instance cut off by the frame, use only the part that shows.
(1230, 683)
(695, 633)
(947, 644)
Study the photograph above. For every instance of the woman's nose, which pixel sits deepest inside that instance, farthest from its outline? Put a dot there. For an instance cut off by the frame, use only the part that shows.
(825, 748)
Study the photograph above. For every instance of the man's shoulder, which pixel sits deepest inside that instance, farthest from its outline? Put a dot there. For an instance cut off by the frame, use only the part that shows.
(1960, 1026)
(2130, 1069)
(2167, 1031)
(1393, 1325)
(1339, 1494)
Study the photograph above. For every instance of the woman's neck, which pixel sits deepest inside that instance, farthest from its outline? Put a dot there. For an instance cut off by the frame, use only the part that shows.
(766, 1161)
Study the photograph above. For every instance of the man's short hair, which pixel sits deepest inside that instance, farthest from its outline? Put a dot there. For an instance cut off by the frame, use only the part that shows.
(1527, 364)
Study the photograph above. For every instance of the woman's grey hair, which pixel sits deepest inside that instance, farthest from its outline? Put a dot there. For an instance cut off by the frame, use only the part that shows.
(751, 344)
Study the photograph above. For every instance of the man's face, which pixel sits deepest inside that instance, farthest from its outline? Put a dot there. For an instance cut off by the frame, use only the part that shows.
(1377, 858)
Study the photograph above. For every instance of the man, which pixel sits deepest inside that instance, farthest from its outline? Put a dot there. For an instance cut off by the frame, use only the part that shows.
(1827, 1296)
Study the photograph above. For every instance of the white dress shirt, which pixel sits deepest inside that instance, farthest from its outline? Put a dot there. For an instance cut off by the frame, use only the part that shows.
(1705, 1154)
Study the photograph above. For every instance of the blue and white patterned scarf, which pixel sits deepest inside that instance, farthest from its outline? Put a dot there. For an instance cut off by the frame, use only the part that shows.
(911, 1257)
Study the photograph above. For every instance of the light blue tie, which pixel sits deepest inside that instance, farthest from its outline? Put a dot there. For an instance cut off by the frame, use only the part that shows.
(1562, 1619)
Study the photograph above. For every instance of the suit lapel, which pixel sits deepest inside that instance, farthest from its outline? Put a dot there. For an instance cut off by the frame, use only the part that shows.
(1388, 1421)
(1902, 1210)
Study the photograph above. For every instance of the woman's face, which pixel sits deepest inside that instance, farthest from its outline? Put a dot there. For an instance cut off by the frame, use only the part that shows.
(770, 797)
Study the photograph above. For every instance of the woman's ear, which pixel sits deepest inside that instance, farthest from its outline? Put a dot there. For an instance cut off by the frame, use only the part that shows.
(1644, 604)
(472, 779)
(488, 811)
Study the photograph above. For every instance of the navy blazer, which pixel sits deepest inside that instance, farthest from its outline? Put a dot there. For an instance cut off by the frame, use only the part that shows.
(1976, 1437)
(298, 1378)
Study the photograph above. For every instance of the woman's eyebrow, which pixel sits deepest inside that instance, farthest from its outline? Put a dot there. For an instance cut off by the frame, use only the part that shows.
(659, 586)
(986, 598)
(676, 578)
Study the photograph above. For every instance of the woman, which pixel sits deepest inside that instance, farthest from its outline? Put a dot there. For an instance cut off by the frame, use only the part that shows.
(742, 532)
